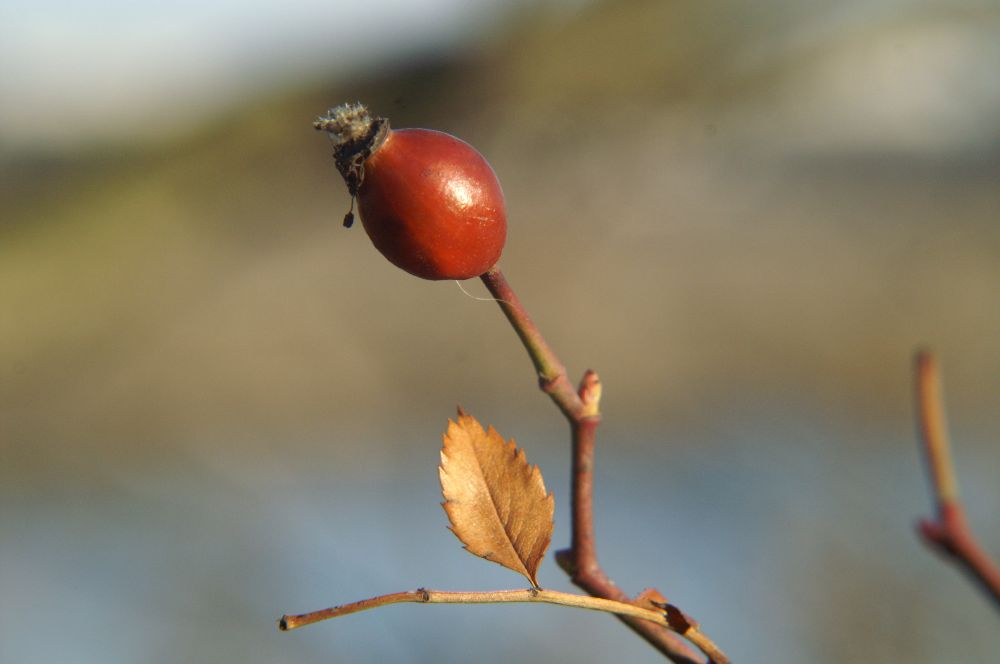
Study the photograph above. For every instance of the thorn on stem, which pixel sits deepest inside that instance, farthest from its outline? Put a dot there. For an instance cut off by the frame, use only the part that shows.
(590, 393)
(566, 561)
(929, 531)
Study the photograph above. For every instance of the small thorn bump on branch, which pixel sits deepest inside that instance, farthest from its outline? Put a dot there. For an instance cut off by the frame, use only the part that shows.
(590, 394)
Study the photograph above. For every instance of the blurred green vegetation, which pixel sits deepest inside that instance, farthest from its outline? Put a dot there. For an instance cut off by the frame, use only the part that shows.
(197, 281)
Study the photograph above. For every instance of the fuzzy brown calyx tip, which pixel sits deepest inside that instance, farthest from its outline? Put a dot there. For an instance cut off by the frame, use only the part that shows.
(346, 123)
(356, 133)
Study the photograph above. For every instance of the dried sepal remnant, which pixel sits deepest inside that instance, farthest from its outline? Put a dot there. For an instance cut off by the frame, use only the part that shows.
(347, 123)
(495, 500)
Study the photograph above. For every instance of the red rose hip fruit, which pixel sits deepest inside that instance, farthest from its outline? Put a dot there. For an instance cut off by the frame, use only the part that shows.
(429, 202)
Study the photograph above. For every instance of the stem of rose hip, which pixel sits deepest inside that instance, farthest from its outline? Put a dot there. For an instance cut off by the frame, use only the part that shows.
(552, 377)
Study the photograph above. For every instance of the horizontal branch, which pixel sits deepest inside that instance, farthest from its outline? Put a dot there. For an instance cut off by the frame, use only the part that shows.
(531, 595)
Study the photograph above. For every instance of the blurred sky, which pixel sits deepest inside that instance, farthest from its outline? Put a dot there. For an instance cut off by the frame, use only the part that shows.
(217, 405)
(75, 71)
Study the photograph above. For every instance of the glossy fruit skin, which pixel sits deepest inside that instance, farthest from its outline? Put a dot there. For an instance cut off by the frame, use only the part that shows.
(433, 205)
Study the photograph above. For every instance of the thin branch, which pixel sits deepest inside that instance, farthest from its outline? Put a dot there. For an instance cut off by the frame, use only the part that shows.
(582, 541)
(426, 596)
(551, 372)
(531, 595)
(582, 410)
(934, 431)
(949, 531)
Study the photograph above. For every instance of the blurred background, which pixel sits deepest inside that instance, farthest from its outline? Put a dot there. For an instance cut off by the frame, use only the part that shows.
(217, 405)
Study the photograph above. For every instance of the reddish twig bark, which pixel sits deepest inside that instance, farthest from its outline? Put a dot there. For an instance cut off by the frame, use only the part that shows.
(581, 409)
(948, 533)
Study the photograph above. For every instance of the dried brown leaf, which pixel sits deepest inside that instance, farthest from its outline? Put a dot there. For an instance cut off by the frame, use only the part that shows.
(495, 500)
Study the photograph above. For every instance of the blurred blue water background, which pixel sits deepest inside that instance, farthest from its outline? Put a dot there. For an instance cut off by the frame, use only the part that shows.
(217, 406)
